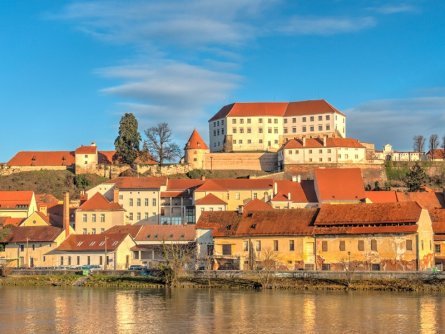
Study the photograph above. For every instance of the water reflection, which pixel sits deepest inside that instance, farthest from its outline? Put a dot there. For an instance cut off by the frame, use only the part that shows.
(82, 310)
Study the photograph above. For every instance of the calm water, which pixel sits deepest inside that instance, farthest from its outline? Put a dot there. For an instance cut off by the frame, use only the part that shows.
(83, 310)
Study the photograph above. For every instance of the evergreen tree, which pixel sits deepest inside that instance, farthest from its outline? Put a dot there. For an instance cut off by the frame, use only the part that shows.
(127, 142)
(416, 178)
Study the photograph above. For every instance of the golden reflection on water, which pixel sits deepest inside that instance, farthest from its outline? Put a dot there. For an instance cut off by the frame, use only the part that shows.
(85, 311)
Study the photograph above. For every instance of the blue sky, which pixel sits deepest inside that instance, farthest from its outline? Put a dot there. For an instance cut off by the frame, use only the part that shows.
(69, 70)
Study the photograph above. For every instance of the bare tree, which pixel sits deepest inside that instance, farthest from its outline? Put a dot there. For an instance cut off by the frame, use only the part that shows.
(419, 143)
(160, 145)
(268, 267)
(4, 234)
(433, 144)
(177, 259)
(443, 142)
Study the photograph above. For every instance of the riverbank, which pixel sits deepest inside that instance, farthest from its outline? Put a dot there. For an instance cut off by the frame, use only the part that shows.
(431, 284)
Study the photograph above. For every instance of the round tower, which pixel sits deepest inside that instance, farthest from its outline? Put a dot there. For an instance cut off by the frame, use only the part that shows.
(195, 151)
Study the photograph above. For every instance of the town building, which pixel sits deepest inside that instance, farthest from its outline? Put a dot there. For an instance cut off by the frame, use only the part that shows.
(17, 204)
(438, 219)
(389, 154)
(437, 154)
(264, 126)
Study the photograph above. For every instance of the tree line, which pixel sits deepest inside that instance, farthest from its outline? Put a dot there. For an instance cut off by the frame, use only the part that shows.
(157, 146)
(419, 142)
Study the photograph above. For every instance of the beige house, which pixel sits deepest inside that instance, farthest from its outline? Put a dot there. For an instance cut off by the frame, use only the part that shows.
(17, 204)
(209, 203)
(389, 154)
(263, 126)
(97, 214)
(86, 159)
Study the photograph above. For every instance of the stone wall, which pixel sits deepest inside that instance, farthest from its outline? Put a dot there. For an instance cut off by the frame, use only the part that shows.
(261, 161)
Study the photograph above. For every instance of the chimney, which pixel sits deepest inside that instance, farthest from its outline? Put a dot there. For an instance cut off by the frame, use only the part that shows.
(299, 178)
(324, 141)
(93, 143)
(203, 177)
(288, 197)
(275, 188)
(240, 209)
(116, 195)
(304, 141)
(44, 209)
(66, 213)
(294, 178)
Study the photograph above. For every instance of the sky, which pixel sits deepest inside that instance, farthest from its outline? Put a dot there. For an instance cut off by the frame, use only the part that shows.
(70, 69)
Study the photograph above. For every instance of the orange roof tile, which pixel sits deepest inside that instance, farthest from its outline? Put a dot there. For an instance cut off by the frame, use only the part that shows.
(339, 184)
(105, 157)
(183, 184)
(5, 221)
(318, 143)
(91, 242)
(222, 223)
(246, 109)
(41, 158)
(365, 229)
(438, 153)
(196, 142)
(131, 182)
(235, 184)
(34, 234)
(256, 205)
(428, 200)
(162, 233)
(303, 192)
(99, 203)
(310, 107)
(132, 230)
(210, 199)
(374, 213)
(89, 149)
(381, 196)
(15, 199)
(47, 200)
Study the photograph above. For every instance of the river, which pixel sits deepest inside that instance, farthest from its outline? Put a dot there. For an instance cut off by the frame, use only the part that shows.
(100, 310)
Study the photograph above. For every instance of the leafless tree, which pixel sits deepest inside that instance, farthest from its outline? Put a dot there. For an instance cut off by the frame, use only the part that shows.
(177, 258)
(159, 143)
(419, 143)
(4, 233)
(443, 142)
(267, 267)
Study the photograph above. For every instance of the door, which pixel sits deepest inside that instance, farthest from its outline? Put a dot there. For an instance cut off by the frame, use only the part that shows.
(309, 256)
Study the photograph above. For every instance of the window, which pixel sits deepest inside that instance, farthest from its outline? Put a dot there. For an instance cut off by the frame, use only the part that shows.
(294, 120)
(342, 246)
(320, 117)
(245, 246)
(93, 217)
(285, 130)
(93, 231)
(324, 246)
(294, 130)
(237, 196)
(130, 202)
(375, 267)
(234, 121)
(437, 248)
(241, 130)
(258, 245)
(84, 231)
(320, 128)
(241, 121)
(329, 150)
(421, 245)
(275, 245)
(255, 195)
(130, 216)
(214, 132)
(304, 119)
(260, 141)
(361, 245)
(33, 247)
(275, 120)
(320, 151)
(325, 266)
(146, 215)
(249, 130)
(269, 120)
(78, 260)
(138, 202)
(409, 245)
(100, 260)
(312, 128)
(260, 120)
(275, 130)
(88, 260)
(285, 121)
(310, 151)
(222, 131)
(84, 218)
(328, 127)
(234, 130)
(312, 118)
(138, 216)
(269, 130)
(240, 141)
(304, 129)
(291, 245)
(290, 151)
(102, 230)
(61, 260)
(328, 117)
(153, 201)
(374, 245)
(102, 217)
(222, 122)
(248, 121)
(217, 123)
(227, 249)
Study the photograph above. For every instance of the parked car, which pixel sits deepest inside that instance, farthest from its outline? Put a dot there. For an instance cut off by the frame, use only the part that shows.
(91, 267)
(137, 267)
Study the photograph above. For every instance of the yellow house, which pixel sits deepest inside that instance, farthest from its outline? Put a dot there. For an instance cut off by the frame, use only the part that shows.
(97, 214)
(17, 204)
(438, 218)
(258, 239)
(378, 236)
(36, 218)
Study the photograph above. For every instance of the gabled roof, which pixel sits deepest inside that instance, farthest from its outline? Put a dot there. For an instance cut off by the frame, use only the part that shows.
(105, 157)
(99, 203)
(34, 234)
(42, 158)
(89, 149)
(318, 143)
(130, 229)
(252, 109)
(131, 182)
(162, 233)
(222, 223)
(47, 200)
(438, 153)
(9, 221)
(428, 200)
(196, 142)
(15, 199)
(277, 222)
(300, 192)
(310, 107)
(256, 205)
(339, 184)
(381, 196)
(91, 242)
(183, 184)
(235, 184)
(210, 199)
(373, 213)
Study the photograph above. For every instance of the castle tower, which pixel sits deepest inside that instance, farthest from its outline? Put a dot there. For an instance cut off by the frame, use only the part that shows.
(195, 151)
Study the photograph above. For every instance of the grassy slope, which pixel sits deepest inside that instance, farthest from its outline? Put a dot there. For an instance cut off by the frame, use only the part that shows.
(52, 182)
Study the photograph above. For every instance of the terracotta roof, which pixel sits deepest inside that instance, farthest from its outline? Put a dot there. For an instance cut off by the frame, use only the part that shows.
(339, 184)
(47, 200)
(99, 203)
(256, 205)
(15, 199)
(166, 233)
(365, 229)
(222, 223)
(5, 221)
(300, 192)
(252, 109)
(318, 143)
(210, 199)
(438, 153)
(438, 219)
(310, 107)
(88, 149)
(34, 234)
(42, 158)
(139, 182)
(235, 184)
(363, 214)
(196, 142)
(105, 157)
(183, 184)
(173, 194)
(124, 229)
(91, 242)
(381, 196)
(428, 200)
(277, 222)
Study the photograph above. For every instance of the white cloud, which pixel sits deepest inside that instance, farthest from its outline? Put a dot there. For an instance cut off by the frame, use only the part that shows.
(396, 121)
(300, 25)
(395, 9)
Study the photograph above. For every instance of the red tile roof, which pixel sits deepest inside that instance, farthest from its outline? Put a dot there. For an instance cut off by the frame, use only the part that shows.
(428, 200)
(339, 184)
(15, 199)
(24, 234)
(256, 205)
(210, 199)
(236, 184)
(303, 192)
(162, 233)
(365, 229)
(89, 149)
(47, 200)
(310, 107)
(91, 242)
(318, 143)
(105, 157)
(131, 182)
(222, 223)
(246, 109)
(438, 219)
(132, 230)
(277, 222)
(381, 196)
(363, 214)
(99, 203)
(183, 184)
(196, 142)
(438, 153)
(42, 158)
(5, 221)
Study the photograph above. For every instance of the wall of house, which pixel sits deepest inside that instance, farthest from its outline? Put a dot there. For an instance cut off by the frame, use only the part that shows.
(310, 125)
(38, 257)
(241, 161)
(213, 207)
(81, 259)
(236, 198)
(426, 241)
(112, 218)
(195, 158)
(142, 213)
(34, 220)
